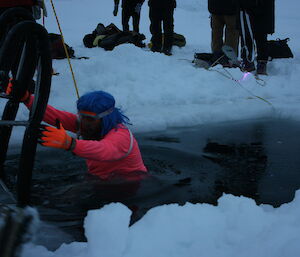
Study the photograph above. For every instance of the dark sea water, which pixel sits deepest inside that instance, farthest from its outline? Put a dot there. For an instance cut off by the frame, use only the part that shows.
(259, 159)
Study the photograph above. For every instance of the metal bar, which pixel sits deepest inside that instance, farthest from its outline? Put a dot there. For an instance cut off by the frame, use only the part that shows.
(3, 95)
(13, 123)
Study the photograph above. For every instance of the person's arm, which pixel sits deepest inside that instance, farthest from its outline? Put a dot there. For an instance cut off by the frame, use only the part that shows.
(67, 119)
(113, 147)
(52, 116)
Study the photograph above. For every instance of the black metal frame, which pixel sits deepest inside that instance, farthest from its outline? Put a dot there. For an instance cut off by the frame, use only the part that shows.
(24, 54)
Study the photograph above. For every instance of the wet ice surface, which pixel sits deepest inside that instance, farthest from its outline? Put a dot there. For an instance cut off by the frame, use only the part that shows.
(258, 159)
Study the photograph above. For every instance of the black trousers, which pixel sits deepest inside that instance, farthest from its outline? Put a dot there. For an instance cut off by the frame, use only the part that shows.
(159, 16)
(261, 47)
(126, 14)
(260, 38)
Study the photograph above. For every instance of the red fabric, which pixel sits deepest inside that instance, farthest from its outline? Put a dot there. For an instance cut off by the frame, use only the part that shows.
(13, 3)
(101, 156)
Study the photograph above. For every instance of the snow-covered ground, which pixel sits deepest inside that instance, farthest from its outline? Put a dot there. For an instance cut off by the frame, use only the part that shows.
(237, 227)
(158, 92)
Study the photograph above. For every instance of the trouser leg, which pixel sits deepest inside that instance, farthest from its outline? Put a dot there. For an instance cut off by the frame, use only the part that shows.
(125, 19)
(136, 21)
(155, 28)
(231, 32)
(217, 26)
(168, 24)
(261, 45)
(262, 52)
(247, 44)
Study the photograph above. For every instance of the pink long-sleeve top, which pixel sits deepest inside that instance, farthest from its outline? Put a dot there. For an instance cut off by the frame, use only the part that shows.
(106, 156)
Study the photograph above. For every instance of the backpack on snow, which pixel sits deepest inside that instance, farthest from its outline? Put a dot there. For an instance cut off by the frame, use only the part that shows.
(100, 30)
(57, 47)
(178, 40)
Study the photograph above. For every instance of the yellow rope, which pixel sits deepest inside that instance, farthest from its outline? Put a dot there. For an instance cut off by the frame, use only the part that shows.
(67, 54)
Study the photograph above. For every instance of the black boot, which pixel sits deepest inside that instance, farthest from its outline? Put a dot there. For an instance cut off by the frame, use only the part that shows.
(156, 43)
(156, 49)
(261, 68)
(247, 66)
(167, 51)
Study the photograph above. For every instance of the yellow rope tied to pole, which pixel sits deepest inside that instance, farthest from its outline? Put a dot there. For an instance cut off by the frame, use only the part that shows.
(68, 57)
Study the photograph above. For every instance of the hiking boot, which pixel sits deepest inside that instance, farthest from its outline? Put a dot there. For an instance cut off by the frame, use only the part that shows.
(230, 58)
(247, 66)
(261, 68)
(155, 49)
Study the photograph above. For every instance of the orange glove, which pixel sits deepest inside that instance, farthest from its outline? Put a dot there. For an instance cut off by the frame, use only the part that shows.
(56, 137)
(9, 90)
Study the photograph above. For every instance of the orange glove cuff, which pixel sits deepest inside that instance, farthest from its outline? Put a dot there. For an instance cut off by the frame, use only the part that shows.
(9, 89)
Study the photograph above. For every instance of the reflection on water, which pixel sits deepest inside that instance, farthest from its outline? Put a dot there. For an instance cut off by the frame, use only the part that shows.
(256, 159)
(243, 166)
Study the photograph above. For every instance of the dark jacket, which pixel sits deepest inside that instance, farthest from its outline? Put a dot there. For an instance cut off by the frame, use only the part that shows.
(162, 3)
(131, 4)
(222, 7)
(262, 14)
(14, 3)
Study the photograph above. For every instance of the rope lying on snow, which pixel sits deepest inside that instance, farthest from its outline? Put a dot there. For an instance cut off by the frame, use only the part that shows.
(228, 75)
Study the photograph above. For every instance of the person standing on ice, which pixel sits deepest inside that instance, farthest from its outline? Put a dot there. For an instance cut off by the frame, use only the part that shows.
(161, 12)
(223, 14)
(105, 142)
(257, 20)
(130, 8)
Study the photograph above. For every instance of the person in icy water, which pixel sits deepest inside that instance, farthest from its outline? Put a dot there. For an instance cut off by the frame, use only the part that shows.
(104, 140)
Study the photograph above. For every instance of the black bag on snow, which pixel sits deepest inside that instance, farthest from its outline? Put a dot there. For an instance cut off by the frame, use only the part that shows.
(57, 47)
(108, 37)
(279, 49)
